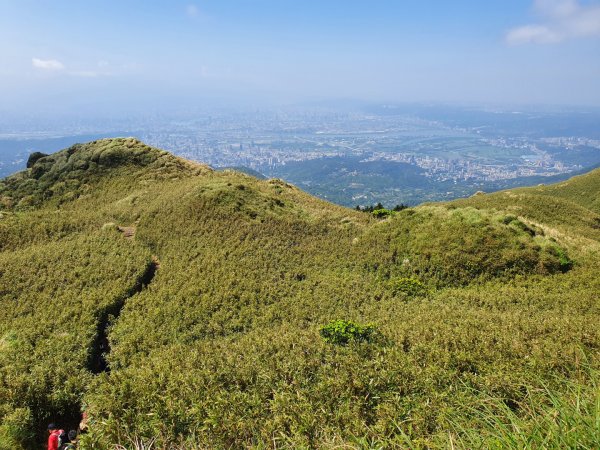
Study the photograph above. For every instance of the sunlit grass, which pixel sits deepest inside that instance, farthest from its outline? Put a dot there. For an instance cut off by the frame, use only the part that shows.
(480, 334)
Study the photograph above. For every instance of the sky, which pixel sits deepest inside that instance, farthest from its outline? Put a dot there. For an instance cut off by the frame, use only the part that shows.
(108, 55)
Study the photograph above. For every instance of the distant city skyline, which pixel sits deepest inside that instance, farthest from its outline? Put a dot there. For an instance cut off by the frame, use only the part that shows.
(119, 57)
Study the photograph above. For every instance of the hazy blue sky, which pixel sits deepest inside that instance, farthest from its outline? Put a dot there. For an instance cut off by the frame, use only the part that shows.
(150, 53)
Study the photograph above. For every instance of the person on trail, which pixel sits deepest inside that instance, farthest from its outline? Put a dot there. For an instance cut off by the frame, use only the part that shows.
(72, 444)
(54, 436)
(83, 425)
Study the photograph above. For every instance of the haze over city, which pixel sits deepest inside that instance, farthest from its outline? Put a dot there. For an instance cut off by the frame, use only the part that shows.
(115, 57)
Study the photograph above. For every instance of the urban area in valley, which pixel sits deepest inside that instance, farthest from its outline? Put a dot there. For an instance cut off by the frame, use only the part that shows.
(356, 155)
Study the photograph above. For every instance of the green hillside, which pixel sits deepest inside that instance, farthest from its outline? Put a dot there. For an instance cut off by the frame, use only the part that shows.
(183, 307)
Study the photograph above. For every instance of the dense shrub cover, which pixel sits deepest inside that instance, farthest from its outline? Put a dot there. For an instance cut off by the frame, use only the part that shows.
(222, 348)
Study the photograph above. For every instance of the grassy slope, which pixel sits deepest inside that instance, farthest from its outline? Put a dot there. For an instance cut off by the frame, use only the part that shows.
(573, 204)
(223, 347)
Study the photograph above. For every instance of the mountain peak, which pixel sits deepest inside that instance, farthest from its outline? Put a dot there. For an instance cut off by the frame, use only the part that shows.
(89, 163)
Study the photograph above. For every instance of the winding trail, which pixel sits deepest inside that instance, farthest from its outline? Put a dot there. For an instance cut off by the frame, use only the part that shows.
(97, 362)
(73, 418)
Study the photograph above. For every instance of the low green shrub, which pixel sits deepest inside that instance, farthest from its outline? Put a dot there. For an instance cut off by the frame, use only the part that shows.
(409, 286)
(383, 213)
(343, 331)
(564, 261)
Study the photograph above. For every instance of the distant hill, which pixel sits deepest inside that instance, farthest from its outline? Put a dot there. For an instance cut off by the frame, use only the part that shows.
(192, 308)
(351, 181)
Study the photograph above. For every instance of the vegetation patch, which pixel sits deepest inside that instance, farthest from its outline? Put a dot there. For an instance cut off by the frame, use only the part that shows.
(64, 175)
(342, 332)
(34, 157)
(564, 262)
(455, 246)
(379, 211)
(382, 213)
(543, 419)
(411, 287)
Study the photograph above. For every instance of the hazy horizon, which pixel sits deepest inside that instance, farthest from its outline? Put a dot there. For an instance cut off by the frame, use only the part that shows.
(105, 57)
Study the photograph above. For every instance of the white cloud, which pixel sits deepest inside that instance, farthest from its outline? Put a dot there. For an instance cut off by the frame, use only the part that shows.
(47, 64)
(540, 34)
(102, 68)
(560, 20)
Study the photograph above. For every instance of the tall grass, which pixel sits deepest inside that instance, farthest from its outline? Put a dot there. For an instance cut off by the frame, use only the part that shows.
(547, 418)
(563, 414)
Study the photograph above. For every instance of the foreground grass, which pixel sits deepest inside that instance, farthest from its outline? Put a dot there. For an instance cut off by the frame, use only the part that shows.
(568, 418)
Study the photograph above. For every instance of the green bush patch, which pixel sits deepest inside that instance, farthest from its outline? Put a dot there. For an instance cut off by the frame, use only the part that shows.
(383, 213)
(409, 286)
(343, 331)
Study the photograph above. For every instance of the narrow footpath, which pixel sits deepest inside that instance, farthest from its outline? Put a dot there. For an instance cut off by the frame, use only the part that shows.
(101, 345)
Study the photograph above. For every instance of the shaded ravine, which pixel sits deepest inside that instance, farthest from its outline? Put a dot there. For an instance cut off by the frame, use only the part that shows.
(97, 362)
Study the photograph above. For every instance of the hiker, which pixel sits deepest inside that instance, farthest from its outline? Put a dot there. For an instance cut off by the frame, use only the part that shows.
(58, 439)
(72, 444)
(54, 436)
(83, 425)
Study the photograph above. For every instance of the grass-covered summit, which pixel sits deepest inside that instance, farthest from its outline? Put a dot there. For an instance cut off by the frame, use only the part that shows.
(186, 306)
(69, 173)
